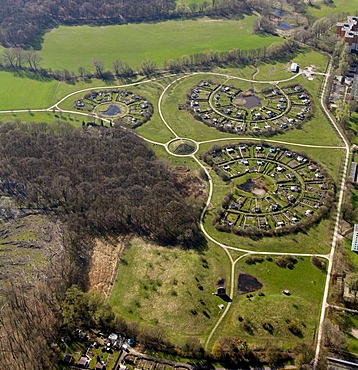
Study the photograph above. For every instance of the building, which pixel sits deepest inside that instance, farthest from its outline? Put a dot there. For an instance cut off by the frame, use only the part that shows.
(348, 31)
(355, 239)
(294, 67)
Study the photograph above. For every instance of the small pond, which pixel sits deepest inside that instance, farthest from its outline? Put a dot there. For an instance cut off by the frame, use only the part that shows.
(284, 26)
(278, 12)
(248, 283)
(248, 101)
(112, 110)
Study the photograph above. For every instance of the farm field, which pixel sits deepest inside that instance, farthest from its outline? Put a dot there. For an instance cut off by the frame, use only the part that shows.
(300, 309)
(125, 42)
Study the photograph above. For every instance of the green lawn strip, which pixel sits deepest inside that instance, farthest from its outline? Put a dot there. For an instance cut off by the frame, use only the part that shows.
(338, 6)
(77, 46)
(48, 117)
(170, 289)
(23, 93)
(305, 283)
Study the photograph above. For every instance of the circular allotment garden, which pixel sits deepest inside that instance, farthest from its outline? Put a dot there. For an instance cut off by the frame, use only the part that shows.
(119, 106)
(273, 190)
(259, 109)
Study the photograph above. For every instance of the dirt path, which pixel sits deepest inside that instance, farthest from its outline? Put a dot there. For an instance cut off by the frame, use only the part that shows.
(104, 264)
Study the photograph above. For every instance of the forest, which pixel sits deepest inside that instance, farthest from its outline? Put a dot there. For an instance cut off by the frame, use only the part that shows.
(98, 180)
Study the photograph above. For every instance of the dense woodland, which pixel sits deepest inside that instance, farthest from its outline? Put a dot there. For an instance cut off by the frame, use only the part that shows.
(101, 181)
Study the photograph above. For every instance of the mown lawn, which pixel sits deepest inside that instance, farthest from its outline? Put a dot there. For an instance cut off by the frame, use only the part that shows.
(170, 289)
(74, 47)
(305, 283)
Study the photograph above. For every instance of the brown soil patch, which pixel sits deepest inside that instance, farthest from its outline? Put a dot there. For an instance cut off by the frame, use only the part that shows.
(193, 187)
(104, 264)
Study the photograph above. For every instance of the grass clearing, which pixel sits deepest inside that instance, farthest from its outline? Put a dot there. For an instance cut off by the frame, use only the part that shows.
(305, 283)
(77, 46)
(22, 93)
(169, 288)
(339, 6)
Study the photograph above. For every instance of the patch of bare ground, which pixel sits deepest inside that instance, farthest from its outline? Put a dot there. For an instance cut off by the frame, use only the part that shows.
(104, 264)
(194, 187)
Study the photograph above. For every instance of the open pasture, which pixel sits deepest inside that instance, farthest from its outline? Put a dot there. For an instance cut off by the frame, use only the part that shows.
(268, 317)
(170, 288)
(74, 47)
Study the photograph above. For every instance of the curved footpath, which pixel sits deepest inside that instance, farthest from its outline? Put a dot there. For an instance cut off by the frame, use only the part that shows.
(227, 248)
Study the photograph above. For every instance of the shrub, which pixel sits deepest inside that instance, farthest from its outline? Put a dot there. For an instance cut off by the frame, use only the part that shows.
(286, 261)
(318, 263)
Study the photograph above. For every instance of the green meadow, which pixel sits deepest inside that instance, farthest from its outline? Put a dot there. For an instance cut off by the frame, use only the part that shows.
(339, 6)
(300, 309)
(19, 92)
(74, 47)
(170, 289)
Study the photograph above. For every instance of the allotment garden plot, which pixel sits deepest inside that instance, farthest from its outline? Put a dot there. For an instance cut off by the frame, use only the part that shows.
(272, 190)
(260, 109)
(119, 106)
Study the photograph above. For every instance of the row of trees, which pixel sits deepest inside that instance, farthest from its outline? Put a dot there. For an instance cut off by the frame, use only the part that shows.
(18, 59)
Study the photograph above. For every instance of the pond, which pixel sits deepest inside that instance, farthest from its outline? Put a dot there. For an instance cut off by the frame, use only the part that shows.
(284, 26)
(112, 110)
(248, 283)
(248, 101)
(278, 12)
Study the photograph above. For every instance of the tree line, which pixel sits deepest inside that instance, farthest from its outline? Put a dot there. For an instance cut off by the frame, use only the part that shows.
(100, 181)
(18, 59)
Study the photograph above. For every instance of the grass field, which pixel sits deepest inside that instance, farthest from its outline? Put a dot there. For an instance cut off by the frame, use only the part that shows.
(72, 47)
(305, 283)
(170, 288)
(18, 92)
(338, 6)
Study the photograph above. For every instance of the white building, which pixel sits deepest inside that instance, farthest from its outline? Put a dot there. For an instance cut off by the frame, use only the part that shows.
(355, 239)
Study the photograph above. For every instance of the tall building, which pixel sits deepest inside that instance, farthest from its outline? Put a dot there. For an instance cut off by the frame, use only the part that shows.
(349, 32)
(355, 239)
